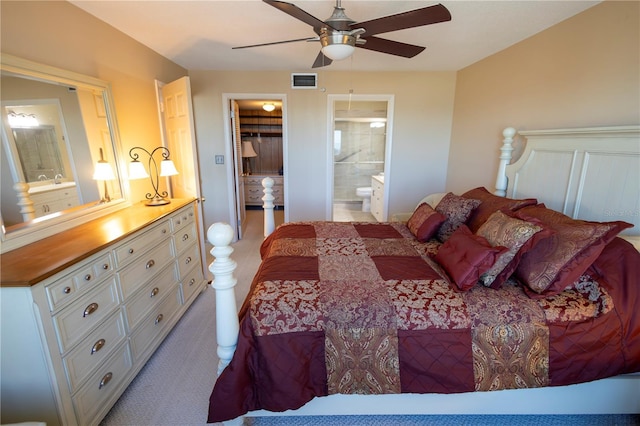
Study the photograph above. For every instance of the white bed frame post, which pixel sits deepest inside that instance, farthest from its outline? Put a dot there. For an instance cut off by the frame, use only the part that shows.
(227, 323)
(506, 152)
(269, 219)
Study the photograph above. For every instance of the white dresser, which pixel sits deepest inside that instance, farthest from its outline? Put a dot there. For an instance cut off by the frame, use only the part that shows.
(82, 334)
(253, 190)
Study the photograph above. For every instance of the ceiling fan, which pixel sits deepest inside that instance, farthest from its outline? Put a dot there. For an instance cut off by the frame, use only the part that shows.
(339, 35)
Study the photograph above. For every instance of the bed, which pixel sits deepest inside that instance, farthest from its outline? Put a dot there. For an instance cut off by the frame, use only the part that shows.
(522, 301)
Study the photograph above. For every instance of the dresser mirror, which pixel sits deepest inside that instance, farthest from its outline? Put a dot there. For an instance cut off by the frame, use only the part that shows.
(57, 126)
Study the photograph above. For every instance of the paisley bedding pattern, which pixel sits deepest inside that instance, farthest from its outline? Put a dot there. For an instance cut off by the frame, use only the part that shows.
(361, 308)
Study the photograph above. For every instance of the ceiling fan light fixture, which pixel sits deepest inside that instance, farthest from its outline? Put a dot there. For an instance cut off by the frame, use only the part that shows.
(338, 45)
(268, 107)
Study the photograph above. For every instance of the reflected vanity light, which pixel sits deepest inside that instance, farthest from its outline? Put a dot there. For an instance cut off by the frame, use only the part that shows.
(104, 172)
(167, 168)
(18, 119)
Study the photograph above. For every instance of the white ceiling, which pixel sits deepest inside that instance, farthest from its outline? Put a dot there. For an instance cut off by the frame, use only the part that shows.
(198, 35)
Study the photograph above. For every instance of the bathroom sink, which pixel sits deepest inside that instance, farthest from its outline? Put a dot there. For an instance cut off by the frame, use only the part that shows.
(34, 189)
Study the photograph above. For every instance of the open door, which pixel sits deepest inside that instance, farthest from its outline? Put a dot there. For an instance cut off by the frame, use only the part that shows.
(178, 134)
(236, 138)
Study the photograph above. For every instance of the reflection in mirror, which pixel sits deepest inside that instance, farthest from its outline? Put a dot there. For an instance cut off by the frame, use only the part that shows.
(57, 126)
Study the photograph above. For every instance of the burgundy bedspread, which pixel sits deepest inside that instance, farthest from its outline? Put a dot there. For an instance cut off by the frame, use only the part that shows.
(363, 309)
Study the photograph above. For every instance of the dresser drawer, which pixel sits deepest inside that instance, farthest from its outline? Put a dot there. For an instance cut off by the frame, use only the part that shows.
(182, 219)
(154, 323)
(191, 284)
(75, 321)
(134, 247)
(150, 296)
(142, 269)
(92, 351)
(102, 386)
(188, 260)
(70, 287)
(185, 237)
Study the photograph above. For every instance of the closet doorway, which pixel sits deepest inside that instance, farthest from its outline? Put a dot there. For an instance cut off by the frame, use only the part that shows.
(360, 151)
(257, 149)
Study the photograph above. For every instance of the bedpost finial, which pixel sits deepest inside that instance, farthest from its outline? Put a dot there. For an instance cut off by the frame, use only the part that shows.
(220, 234)
(509, 132)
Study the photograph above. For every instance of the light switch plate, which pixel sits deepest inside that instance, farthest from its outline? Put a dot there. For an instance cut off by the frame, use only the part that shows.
(219, 159)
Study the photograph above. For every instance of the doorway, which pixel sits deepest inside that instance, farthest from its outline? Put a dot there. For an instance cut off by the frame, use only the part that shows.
(360, 149)
(256, 147)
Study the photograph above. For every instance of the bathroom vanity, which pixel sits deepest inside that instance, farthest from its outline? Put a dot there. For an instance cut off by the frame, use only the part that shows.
(83, 310)
(377, 197)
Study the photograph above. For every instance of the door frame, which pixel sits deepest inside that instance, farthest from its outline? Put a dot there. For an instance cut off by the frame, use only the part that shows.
(230, 149)
(331, 99)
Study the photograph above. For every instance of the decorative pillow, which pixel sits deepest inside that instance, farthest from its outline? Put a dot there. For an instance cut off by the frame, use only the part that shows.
(501, 229)
(457, 210)
(465, 257)
(558, 261)
(490, 204)
(424, 222)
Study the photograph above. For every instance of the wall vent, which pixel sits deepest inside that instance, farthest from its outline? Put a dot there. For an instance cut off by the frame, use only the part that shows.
(304, 81)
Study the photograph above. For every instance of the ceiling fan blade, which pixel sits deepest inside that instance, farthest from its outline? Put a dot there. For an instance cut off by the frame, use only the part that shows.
(321, 61)
(413, 18)
(296, 12)
(391, 47)
(277, 42)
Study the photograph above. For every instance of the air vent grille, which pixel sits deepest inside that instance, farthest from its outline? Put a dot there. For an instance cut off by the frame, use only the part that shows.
(304, 81)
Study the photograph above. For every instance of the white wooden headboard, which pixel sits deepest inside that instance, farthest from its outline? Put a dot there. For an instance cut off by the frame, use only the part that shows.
(588, 173)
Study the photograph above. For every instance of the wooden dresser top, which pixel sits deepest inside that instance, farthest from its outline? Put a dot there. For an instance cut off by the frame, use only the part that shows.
(30, 264)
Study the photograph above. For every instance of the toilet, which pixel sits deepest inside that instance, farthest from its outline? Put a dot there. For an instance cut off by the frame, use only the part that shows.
(365, 193)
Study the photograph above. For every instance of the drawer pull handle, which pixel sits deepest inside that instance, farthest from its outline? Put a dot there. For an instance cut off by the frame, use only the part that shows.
(130, 251)
(87, 277)
(185, 237)
(164, 231)
(97, 346)
(150, 264)
(106, 379)
(90, 309)
(155, 292)
(193, 280)
(187, 260)
(66, 290)
(159, 318)
(178, 222)
(105, 266)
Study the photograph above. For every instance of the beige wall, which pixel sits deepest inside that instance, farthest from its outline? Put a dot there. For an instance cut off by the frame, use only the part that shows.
(582, 72)
(59, 34)
(421, 132)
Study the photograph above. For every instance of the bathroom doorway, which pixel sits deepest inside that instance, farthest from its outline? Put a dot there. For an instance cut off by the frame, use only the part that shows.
(360, 147)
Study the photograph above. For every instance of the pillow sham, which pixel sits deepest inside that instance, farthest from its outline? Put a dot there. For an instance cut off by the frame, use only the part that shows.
(465, 256)
(424, 222)
(517, 235)
(558, 261)
(490, 204)
(457, 210)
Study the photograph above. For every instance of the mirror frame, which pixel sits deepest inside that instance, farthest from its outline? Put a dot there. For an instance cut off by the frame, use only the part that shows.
(49, 225)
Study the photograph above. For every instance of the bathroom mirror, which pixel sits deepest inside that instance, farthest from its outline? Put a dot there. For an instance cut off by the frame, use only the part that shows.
(56, 125)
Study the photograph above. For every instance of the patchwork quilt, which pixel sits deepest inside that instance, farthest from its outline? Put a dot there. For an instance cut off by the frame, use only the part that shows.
(361, 308)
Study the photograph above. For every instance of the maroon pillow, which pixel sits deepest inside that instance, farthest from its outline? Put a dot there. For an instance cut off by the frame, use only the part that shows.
(424, 222)
(457, 210)
(465, 256)
(490, 204)
(559, 260)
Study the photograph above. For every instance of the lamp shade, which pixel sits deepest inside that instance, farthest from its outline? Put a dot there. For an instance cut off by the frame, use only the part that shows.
(103, 171)
(247, 149)
(167, 168)
(137, 171)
